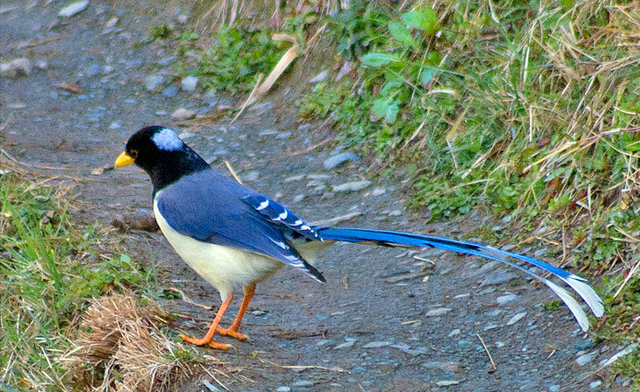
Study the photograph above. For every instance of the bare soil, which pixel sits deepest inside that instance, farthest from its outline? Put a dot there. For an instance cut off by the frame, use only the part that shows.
(367, 328)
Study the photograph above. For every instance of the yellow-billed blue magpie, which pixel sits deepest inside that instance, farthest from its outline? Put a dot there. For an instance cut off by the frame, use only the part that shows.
(235, 237)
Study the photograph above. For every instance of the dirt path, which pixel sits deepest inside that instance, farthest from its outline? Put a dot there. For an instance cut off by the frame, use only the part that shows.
(377, 324)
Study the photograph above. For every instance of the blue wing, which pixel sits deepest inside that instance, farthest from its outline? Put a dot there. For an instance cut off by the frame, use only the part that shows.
(277, 213)
(210, 208)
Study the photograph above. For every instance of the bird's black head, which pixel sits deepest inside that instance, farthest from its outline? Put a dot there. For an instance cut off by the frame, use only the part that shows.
(161, 153)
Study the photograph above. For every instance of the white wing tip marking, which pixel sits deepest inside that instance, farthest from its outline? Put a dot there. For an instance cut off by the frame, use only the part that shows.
(263, 205)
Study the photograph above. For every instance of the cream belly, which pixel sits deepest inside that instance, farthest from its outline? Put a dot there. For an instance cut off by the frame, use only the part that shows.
(225, 268)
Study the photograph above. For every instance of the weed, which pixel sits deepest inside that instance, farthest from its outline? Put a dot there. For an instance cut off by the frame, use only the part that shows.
(49, 269)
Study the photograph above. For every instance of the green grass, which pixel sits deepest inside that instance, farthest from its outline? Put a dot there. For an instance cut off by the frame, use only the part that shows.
(49, 268)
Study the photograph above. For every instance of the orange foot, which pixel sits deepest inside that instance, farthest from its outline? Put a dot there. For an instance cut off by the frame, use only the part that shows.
(232, 333)
(202, 342)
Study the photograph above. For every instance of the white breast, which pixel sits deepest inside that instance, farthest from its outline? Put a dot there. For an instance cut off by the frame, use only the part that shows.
(225, 268)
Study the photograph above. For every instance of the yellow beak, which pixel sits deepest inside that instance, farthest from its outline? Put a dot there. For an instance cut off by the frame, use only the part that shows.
(124, 159)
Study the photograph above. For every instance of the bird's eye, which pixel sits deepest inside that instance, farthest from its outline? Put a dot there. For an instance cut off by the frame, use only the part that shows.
(133, 154)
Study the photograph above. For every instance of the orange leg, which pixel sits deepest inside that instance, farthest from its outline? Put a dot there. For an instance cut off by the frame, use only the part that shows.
(233, 329)
(208, 338)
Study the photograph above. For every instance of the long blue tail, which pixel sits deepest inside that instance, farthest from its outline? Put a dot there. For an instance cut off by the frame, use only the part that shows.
(396, 238)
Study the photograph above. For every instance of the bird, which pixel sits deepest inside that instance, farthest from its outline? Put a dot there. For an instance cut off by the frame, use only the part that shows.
(235, 237)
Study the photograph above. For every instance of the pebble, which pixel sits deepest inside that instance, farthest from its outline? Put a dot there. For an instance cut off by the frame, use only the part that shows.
(405, 348)
(500, 344)
(352, 186)
(166, 61)
(283, 389)
(339, 159)
(170, 91)
(377, 344)
(152, 82)
(319, 77)
(183, 114)
(454, 333)
(378, 192)
(108, 69)
(73, 8)
(304, 383)
(517, 317)
(595, 384)
(505, 299)
(92, 70)
(554, 388)
(298, 198)
(250, 176)
(498, 278)
(348, 344)
(446, 366)
(15, 68)
(114, 125)
(585, 359)
(438, 312)
(189, 83)
(447, 383)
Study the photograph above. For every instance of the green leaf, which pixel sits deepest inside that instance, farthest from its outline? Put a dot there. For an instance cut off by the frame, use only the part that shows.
(422, 20)
(386, 108)
(402, 34)
(376, 60)
(427, 74)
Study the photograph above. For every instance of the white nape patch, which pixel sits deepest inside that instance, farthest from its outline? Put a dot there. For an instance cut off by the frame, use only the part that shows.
(168, 140)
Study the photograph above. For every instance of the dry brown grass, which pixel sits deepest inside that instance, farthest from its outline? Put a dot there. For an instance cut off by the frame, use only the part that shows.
(121, 348)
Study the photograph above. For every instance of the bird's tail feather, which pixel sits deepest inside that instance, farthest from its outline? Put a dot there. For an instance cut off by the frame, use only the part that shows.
(395, 238)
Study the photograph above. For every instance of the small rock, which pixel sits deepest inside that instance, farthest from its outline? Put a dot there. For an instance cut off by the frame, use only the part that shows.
(454, 333)
(182, 18)
(114, 125)
(152, 82)
(92, 70)
(15, 68)
(554, 388)
(189, 83)
(318, 177)
(294, 178)
(183, 114)
(283, 135)
(42, 64)
(298, 198)
(111, 22)
(166, 61)
(268, 132)
(500, 344)
(438, 312)
(250, 176)
(319, 77)
(498, 278)
(352, 186)
(408, 350)
(348, 344)
(507, 298)
(442, 365)
(170, 91)
(395, 213)
(377, 344)
(73, 8)
(447, 383)
(337, 160)
(378, 192)
(490, 327)
(186, 135)
(108, 69)
(517, 317)
(595, 384)
(304, 383)
(585, 359)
